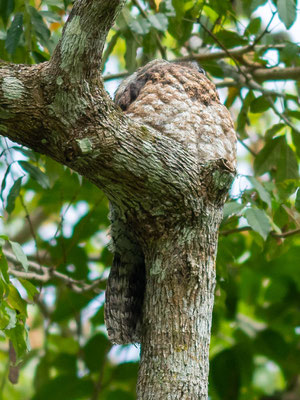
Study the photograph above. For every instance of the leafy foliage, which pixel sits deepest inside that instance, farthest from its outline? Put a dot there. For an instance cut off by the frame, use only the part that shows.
(61, 220)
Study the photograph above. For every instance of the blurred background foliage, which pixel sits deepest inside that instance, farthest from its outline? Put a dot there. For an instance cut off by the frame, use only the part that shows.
(53, 342)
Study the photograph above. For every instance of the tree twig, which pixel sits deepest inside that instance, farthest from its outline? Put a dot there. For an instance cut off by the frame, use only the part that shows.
(119, 75)
(258, 39)
(245, 145)
(248, 228)
(45, 274)
(207, 55)
(282, 116)
(230, 55)
(160, 46)
(251, 85)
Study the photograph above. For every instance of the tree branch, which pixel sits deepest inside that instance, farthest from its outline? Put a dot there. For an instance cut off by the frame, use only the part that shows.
(37, 217)
(276, 74)
(248, 228)
(208, 55)
(45, 274)
(79, 52)
(282, 116)
(261, 74)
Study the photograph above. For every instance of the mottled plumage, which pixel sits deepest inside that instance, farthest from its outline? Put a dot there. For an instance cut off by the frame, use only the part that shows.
(178, 100)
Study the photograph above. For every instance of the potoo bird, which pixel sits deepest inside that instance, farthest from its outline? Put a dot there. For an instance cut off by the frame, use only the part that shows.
(179, 101)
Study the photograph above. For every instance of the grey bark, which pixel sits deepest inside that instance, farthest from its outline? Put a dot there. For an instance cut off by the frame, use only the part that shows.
(173, 202)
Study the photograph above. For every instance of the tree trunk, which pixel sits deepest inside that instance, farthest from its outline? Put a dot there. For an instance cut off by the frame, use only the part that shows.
(178, 311)
(174, 202)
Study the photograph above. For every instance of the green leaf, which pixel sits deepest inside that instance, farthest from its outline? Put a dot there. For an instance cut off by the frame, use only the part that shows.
(221, 374)
(260, 105)
(6, 8)
(166, 7)
(139, 25)
(297, 200)
(253, 26)
(258, 221)
(66, 363)
(271, 343)
(263, 194)
(232, 208)
(293, 113)
(50, 16)
(126, 371)
(40, 28)
(243, 118)
(273, 130)
(254, 4)
(287, 164)
(27, 152)
(35, 174)
(8, 318)
(3, 183)
(290, 53)
(65, 387)
(20, 255)
(31, 290)
(110, 47)
(277, 156)
(13, 194)
(3, 267)
(267, 158)
(14, 33)
(67, 305)
(15, 301)
(118, 394)
(230, 39)
(53, 3)
(95, 352)
(287, 11)
(159, 21)
(2, 240)
(19, 337)
(130, 55)
(66, 345)
(179, 7)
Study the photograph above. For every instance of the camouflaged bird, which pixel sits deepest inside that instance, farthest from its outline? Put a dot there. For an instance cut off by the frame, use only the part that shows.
(179, 101)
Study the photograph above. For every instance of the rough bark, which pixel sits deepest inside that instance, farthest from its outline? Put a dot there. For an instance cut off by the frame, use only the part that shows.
(173, 201)
(178, 309)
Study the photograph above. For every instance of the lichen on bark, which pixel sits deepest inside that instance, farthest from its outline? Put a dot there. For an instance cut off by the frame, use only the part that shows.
(174, 203)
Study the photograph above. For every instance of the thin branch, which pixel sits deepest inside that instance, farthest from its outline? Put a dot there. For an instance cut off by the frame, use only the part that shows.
(37, 217)
(276, 74)
(286, 234)
(29, 275)
(45, 274)
(282, 116)
(236, 230)
(73, 241)
(31, 230)
(261, 74)
(251, 85)
(62, 215)
(99, 382)
(248, 228)
(246, 146)
(208, 55)
(258, 39)
(31, 227)
(232, 57)
(160, 46)
(119, 75)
